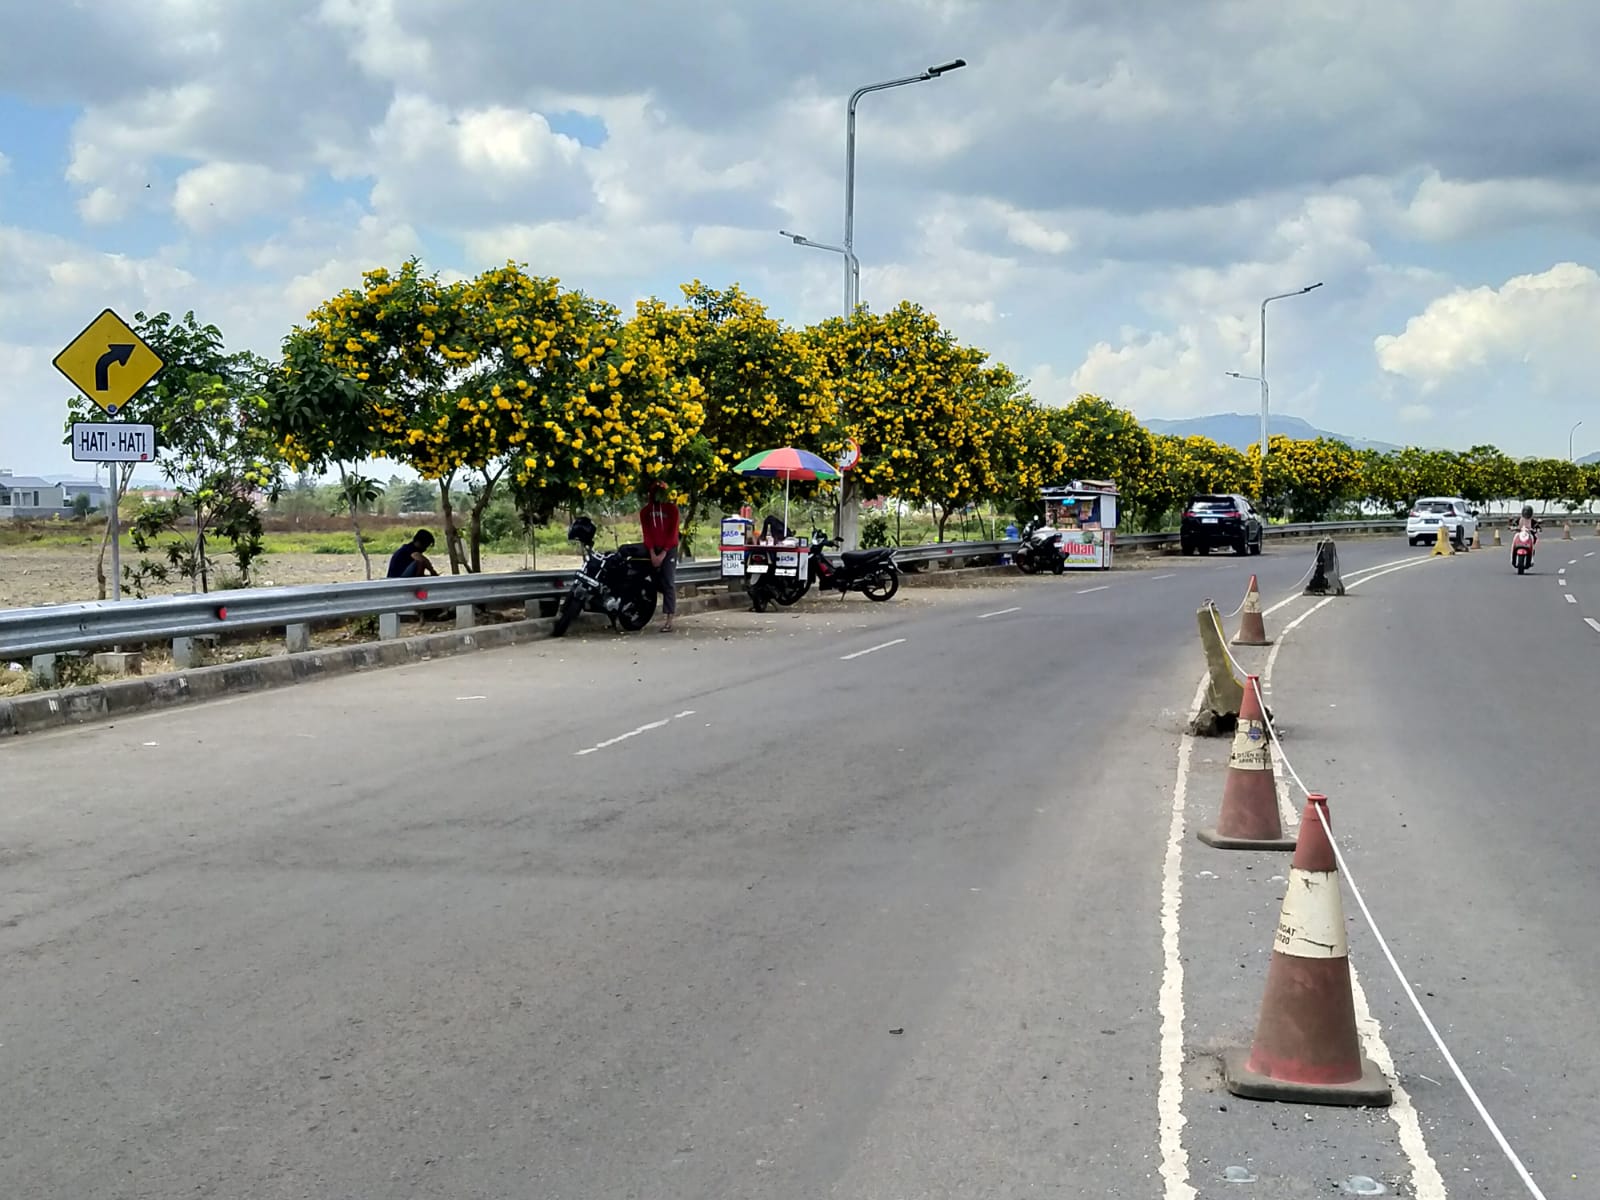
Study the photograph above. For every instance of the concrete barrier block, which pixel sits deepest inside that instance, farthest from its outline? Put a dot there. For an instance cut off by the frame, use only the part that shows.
(44, 668)
(388, 626)
(297, 638)
(119, 662)
(186, 653)
(466, 616)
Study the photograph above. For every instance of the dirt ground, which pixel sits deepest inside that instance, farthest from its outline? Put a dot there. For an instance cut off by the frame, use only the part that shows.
(54, 576)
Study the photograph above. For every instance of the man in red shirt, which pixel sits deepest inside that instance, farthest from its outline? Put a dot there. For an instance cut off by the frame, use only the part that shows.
(659, 521)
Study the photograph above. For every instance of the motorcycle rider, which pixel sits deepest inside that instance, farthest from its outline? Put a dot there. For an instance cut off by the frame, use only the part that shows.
(1528, 521)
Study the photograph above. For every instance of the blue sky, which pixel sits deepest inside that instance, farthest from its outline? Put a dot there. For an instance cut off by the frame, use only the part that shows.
(1101, 198)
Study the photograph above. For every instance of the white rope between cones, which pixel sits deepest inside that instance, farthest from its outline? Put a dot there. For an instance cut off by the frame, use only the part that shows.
(1394, 965)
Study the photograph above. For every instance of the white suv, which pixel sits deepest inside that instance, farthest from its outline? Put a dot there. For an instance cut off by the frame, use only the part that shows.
(1431, 513)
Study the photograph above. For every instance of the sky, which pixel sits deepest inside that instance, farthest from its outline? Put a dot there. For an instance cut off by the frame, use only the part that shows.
(1101, 198)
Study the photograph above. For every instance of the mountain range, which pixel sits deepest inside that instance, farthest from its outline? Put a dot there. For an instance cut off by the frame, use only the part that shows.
(1241, 430)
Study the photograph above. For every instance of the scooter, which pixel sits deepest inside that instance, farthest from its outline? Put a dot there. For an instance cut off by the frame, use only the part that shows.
(1040, 551)
(1522, 545)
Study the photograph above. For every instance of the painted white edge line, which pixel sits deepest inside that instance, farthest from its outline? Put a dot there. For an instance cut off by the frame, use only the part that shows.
(999, 612)
(1169, 1091)
(1086, 591)
(1152, 578)
(870, 649)
(1592, 624)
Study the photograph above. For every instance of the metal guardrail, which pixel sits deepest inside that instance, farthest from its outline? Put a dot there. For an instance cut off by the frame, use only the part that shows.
(95, 625)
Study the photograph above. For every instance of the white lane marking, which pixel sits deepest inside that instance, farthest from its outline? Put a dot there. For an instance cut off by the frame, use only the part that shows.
(1086, 591)
(632, 733)
(1592, 624)
(1426, 1182)
(1174, 575)
(1377, 573)
(1563, 570)
(999, 612)
(472, 697)
(1393, 562)
(1572, 562)
(870, 649)
(1571, 599)
(1169, 1093)
(1590, 554)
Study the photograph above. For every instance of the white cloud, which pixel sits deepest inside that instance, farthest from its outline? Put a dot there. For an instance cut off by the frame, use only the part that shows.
(1442, 210)
(1529, 318)
(220, 193)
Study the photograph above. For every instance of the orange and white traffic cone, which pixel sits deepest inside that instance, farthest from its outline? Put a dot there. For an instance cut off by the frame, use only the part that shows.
(1249, 818)
(1252, 629)
(1306, 1048)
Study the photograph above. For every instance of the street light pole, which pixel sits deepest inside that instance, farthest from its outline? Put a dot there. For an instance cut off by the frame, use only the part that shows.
(1262, 378)
(852, 266)
(852, 286)
(1570, 432)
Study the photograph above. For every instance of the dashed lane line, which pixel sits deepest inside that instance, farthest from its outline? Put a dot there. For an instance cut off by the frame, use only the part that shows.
(870, 649)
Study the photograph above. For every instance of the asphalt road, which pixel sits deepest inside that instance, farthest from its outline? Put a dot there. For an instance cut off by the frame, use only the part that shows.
(863, 901)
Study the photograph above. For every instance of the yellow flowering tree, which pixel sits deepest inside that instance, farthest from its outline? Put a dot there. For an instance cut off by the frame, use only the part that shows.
(1181, 467)
(915, 399)
(1306, 478)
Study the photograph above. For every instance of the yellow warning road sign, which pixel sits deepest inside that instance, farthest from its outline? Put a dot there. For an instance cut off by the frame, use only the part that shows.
(108, 362)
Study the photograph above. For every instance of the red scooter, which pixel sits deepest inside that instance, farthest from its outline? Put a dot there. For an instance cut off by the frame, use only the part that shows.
(1522, 544)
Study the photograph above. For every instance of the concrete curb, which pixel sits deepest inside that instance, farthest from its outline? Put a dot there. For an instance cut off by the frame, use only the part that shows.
(40, 711)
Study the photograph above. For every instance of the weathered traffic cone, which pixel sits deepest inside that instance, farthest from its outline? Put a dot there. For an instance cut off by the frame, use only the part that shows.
(1306, 1048)
(1252, 629)
(1249, 818)
(1497, 535)
(1441, 543)
(1566, 531)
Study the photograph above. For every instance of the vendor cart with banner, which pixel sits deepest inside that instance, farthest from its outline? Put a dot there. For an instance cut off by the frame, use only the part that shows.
(1085, 513)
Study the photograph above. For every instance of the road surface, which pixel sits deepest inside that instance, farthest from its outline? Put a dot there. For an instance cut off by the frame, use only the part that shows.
(864, 901)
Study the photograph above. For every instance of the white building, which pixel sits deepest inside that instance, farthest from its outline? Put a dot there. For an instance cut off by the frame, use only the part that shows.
(28, 496)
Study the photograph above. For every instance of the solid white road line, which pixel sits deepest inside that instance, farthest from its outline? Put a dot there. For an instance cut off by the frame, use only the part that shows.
(870, 649)
(1169, 1093)
(1592, 624)
(999, 612)
(632, 733)
(1086, 591)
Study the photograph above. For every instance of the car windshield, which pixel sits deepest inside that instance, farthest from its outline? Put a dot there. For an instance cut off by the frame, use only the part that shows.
(1435, 506)
(1214, 504)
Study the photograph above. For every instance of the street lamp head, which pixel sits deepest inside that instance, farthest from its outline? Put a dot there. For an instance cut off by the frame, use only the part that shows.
(955, 64)
(1312, 288)
(793, 237)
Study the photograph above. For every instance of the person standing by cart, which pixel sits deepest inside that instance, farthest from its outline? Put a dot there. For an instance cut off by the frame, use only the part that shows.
(659, 520)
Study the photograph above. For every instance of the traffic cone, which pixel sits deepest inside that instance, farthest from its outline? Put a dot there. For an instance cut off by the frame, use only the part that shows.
(1306, 1048)
(1249, 817)
(1252, 630)
(1497, 535)
(1566, 531)
(1441, 543)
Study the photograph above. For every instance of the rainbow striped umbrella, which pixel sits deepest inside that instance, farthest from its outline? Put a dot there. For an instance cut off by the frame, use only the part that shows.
(788, 464)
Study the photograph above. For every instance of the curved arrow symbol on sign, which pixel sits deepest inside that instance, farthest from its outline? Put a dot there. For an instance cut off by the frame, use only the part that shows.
(118, 353)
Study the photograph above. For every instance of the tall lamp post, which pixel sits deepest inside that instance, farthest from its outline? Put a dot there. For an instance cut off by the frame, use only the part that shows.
(1570, 432)
(1262, 377)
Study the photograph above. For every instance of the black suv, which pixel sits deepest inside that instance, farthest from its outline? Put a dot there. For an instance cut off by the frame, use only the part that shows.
(1220, 521)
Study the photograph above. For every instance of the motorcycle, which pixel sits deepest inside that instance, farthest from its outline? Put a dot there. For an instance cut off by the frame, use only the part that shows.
(874, 573)
(1522, 545)
(1040, 551)
(621, 584)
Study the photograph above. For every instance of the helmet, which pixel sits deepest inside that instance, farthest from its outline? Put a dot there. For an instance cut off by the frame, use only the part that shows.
(1527, 510)
(581, 531)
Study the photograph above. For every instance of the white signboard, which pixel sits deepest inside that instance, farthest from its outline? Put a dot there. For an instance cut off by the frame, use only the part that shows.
(112, 441)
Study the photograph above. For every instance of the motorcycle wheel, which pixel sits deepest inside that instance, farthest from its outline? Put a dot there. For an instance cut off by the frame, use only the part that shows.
(635, 613)
(882, 586)
(571, 606)
(1058, 565)
(789, 591)
(759, 592)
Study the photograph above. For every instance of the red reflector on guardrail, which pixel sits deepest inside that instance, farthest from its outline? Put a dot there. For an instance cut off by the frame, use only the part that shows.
(222, 612)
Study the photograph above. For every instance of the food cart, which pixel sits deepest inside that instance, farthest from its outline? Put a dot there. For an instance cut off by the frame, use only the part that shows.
(744, 554)
(1085, 513)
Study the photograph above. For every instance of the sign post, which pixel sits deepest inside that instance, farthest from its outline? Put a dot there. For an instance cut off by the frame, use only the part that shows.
(108, 362)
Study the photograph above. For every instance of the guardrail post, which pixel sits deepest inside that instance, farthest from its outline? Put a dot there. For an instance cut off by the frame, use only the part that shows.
(44, 668)
(388, 626)
(465, 616)
(185, 653)
(297, 638)
(532, 610)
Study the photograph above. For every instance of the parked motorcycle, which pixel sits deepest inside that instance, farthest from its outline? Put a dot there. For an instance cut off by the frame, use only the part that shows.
(1040, 550)
(873, 573)
(621, 583)
(1522, 546)
(763, 585)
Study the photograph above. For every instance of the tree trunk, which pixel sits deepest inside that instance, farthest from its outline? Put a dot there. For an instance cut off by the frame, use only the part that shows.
(940, 516)
(355, 519)
(452, 536)
(480, 505)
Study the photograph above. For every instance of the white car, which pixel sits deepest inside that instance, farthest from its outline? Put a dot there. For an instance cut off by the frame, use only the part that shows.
(1431, 513)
